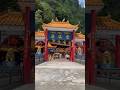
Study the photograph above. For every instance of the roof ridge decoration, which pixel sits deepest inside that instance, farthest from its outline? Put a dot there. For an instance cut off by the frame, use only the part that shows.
(60, 24)
(52, 20)
(56, 19)
(80, 35)
(68, 21)
(63, 20)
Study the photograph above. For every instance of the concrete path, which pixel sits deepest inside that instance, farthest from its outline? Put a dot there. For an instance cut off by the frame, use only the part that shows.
(59, 75)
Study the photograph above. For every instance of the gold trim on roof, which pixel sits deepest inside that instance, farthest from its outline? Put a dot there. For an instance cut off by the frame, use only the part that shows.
(58, 24)
(105, 22)
(77, 35)
(94, 3)
(11, 18)
(40, 34)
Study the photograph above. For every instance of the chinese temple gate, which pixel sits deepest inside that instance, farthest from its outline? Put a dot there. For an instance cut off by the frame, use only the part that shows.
(102, 40)
(58, 32)
(60, 37)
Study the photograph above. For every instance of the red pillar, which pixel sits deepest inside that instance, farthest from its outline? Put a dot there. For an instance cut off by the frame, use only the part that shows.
(91, 59)
(117, 51)
(72, 52)
(46, 45)
(87, 41)
(27, 47)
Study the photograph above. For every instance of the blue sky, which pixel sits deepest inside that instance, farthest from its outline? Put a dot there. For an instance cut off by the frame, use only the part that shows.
(82, 2)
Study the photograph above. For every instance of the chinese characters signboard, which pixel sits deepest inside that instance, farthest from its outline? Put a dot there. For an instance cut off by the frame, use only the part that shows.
(52, 35)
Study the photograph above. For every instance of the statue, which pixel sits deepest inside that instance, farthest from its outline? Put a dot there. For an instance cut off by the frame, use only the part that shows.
(107, 59)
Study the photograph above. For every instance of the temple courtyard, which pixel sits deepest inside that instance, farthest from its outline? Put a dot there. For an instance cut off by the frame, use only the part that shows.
(63, 75)
(60, 75)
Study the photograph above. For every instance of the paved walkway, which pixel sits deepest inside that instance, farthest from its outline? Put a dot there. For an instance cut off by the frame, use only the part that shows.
(59, 75)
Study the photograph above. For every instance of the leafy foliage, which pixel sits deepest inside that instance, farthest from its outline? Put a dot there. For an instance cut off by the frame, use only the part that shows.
(46, 10)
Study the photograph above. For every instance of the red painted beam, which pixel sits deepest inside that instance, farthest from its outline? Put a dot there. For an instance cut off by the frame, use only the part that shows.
(27, 47)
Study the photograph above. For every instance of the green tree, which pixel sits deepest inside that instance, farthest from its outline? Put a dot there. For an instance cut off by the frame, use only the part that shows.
(38, 19)
(62, 9)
